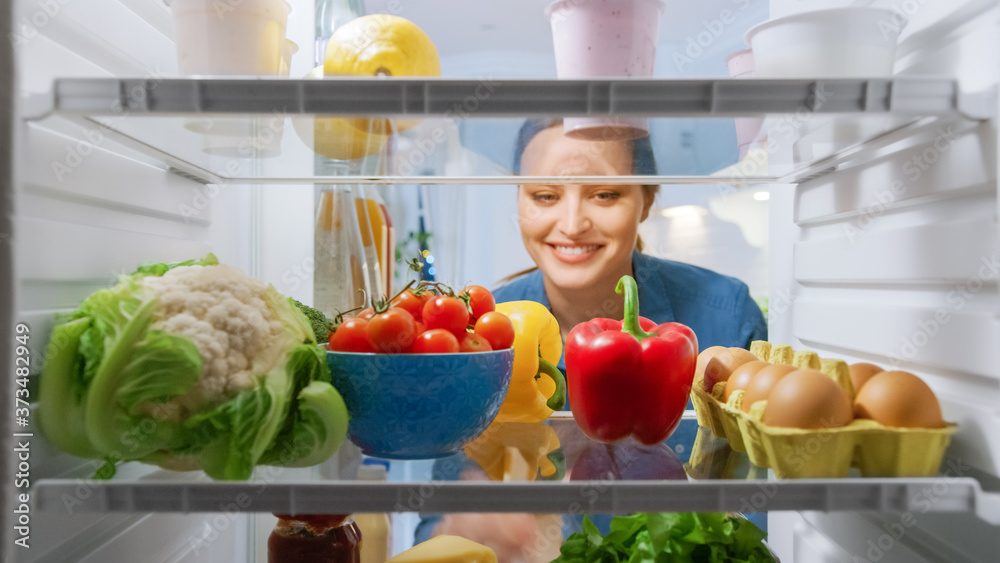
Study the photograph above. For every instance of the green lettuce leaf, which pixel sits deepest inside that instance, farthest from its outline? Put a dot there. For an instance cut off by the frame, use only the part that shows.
(320, 428)
(61, 408)
(295, 321)
(747, 538)
(160, 268)
(232, 431)
(682, 537)
(126, 314)
(317, 422)
(161, 367)
(250, 429)
(642, 549)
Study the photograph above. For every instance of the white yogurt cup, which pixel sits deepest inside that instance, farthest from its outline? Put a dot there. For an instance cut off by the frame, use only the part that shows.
(740, 65)
(242, 137)
(230, 37)
(601, 38)
(833, 43)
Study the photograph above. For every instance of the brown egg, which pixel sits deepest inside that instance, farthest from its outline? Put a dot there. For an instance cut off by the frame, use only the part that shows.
(761, 383)
(741, 377)
(861, 372)
(722, 364)
(703, 358)
(807, 398)
(900, 399)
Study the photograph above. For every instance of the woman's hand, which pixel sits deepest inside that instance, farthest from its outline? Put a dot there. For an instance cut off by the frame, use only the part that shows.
(516, 538)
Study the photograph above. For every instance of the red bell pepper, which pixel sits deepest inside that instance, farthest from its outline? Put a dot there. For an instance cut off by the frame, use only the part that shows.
(624, 380)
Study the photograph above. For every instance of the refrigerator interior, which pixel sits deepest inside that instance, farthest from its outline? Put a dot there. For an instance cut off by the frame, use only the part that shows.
(888, 254)
(891, 259)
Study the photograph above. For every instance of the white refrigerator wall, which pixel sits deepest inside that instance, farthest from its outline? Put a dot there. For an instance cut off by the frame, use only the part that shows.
(893, 259)
(88, 210)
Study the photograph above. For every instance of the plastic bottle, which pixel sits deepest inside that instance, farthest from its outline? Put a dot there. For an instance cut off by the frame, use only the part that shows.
(375, 528)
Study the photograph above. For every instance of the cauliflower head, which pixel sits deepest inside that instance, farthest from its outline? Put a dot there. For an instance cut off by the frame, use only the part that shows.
(192, 364)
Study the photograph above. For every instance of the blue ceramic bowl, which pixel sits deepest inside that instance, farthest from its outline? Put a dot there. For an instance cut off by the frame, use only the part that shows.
(419, 406)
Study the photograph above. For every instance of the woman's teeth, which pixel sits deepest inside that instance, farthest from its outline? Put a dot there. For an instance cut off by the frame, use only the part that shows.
(576, 249)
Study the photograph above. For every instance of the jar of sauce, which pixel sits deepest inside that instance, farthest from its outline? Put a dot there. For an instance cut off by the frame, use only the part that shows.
(319, 538)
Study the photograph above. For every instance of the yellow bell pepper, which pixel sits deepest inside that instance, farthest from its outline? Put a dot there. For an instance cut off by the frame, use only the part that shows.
(537, 347)
(515, 451)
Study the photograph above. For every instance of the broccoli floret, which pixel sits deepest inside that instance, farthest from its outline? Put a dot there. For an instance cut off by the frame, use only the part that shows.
(320, 324)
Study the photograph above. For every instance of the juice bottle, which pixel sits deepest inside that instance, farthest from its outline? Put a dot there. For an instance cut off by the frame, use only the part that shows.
(321, 538)
(372, 270)
(339, 255)
(383, 235)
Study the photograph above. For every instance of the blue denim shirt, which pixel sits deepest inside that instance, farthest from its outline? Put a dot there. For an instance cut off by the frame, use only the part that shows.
(718, 308)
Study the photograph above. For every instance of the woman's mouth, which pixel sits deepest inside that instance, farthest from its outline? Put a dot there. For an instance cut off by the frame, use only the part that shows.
(574, 254)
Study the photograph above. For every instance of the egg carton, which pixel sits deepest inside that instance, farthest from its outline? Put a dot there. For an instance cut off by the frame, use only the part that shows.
(876, 450)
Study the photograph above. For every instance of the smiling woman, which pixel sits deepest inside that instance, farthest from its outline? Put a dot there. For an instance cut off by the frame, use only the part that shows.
(583, 238)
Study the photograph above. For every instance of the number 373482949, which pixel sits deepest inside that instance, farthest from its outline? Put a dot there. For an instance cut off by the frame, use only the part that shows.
(22, 360)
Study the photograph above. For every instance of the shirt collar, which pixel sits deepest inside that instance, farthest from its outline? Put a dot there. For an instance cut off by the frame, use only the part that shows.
(536, 288)
(654, 300)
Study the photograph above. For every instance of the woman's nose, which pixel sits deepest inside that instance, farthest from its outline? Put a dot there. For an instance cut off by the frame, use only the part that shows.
(575, 220)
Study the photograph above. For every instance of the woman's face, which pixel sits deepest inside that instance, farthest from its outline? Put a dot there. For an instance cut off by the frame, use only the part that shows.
(579, 235)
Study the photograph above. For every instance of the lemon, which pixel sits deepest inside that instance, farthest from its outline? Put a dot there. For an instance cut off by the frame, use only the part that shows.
(335, 137)
(381, 45)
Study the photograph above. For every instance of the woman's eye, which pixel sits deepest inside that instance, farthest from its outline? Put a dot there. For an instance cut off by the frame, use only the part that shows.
(607, 196)
(543, 197)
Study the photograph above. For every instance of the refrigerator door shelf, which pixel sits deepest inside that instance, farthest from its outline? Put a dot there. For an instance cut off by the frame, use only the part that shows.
(808, 122)
(718, 479)
(505, 98)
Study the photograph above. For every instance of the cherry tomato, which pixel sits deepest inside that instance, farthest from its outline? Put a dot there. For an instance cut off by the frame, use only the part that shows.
(351, 336)
(366, 314)
(472, 342)
(480, 300)
(497, 329)
(420, 328)
(392, 332)
(436, 341)
(413, 303)
(449, 313)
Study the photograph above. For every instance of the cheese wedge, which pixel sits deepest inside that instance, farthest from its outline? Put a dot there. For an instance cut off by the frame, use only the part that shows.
(446, 549)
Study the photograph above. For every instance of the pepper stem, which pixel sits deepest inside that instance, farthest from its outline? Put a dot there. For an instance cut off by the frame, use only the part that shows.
(630, 324)
(558, 399)
(558, 459)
